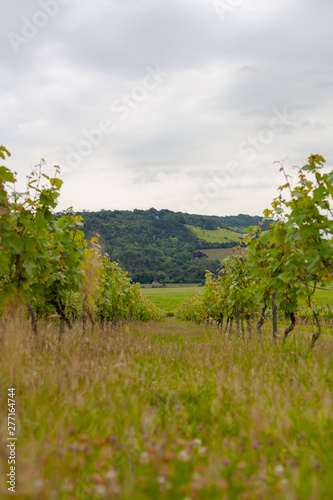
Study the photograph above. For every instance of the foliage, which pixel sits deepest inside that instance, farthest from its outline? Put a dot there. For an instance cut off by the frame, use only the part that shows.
(288, 260)
(30, 241)
(44, 262)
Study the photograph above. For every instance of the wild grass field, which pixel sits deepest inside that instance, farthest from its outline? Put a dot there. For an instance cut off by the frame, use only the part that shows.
(168, 410)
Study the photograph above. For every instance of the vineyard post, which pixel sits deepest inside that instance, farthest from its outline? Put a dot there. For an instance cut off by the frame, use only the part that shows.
(249, 327)
(33, 318)
(237, 319)
(274, 316)
(317, 333)
(226, 326)
(84, 321)
(92, 321)
(261, 322)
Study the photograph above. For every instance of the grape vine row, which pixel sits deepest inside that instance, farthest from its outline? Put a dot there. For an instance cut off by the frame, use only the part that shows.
(47, 265)
(283, 266)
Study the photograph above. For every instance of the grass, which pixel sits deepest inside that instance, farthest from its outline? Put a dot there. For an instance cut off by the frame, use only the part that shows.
(170, 298)
(168, 411)
(169, 285)
(323, 297)
(221, 253)
(215, 236)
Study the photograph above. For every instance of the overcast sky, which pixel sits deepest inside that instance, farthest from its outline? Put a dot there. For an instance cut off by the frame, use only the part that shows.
(178, 104)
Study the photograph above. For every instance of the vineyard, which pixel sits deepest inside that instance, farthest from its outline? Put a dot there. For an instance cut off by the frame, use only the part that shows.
(165, 409)
(47, 266)
(283, 266)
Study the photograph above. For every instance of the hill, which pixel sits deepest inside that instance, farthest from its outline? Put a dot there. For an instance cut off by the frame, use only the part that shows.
(163, 245)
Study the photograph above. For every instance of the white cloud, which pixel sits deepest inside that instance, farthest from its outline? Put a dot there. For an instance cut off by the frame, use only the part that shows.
(226, 79)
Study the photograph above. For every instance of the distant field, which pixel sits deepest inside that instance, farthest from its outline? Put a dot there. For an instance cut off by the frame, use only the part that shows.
(215, 236)
(169, 285)
(220, 253)
(170, 298)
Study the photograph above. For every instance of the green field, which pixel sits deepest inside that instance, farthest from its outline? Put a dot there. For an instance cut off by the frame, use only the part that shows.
(323, 297)
(170, 298)
(215, 236)
(167, 411)
(221, 253)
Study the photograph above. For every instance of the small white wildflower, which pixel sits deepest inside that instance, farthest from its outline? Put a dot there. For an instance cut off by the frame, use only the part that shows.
(111, 474)
(144, 458)
(278, 469)
(100, 490)
(183, 456)
(38, 484)
(67, 485)
(197, 442)
(203, 450)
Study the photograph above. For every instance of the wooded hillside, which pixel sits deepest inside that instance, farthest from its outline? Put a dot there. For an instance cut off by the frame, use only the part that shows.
(158, 244)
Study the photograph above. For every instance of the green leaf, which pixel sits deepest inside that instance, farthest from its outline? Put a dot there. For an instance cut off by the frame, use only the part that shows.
(16, 243)
(329, 179)
(3, 150)
(6, 175)
(319, 194)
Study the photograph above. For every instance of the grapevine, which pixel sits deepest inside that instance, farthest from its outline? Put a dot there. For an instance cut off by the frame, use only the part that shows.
(47, 265)
(284, 265)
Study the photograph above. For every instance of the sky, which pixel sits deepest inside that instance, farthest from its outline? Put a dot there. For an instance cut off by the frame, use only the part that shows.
(177, 104)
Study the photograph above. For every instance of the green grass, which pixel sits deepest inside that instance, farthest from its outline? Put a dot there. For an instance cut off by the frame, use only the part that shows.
(221, 253)
(215, 236)
(168, 411)
(323, 297)
(170, 298)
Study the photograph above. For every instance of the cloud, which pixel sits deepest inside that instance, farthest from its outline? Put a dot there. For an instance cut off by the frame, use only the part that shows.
(226, 80)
